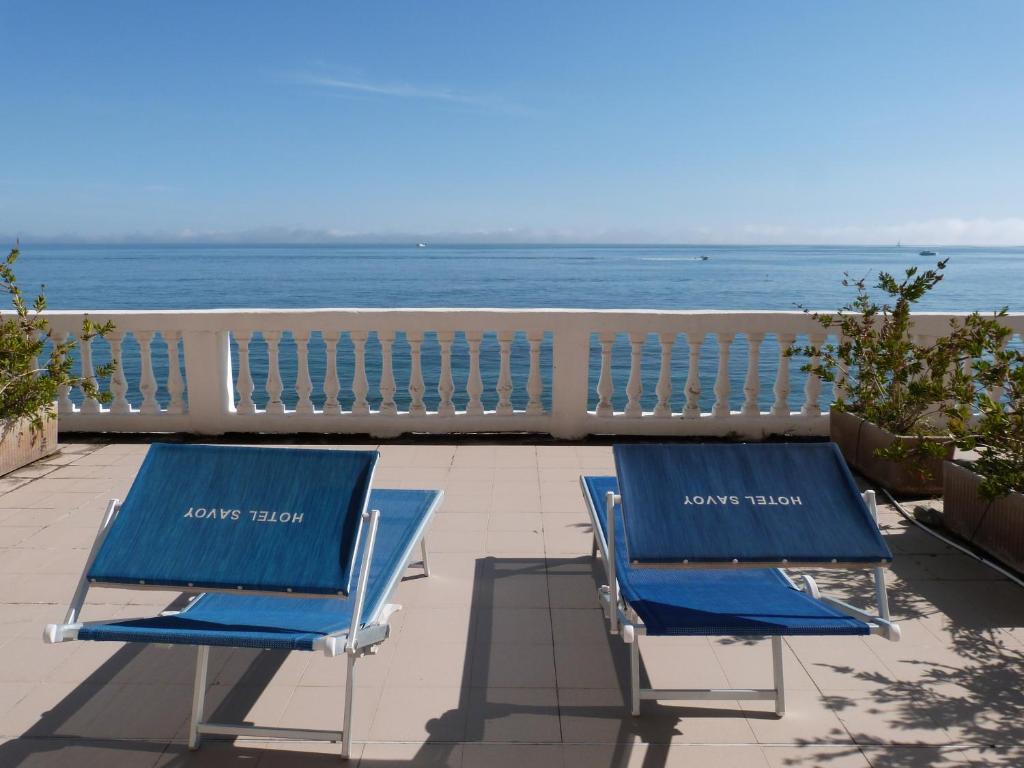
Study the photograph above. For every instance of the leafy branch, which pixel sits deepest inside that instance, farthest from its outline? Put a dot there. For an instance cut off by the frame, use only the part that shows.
(29, 384)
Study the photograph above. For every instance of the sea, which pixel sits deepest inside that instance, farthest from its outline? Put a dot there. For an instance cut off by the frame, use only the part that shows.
(777, 277)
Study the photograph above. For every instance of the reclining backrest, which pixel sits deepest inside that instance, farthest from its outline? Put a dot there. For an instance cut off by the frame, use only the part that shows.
(754, 505)
(218, 517)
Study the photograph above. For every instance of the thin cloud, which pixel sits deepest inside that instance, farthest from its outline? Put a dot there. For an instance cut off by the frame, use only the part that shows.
(406, 91)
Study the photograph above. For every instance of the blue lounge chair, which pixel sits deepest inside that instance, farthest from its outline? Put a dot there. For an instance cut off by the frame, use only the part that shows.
(285, 548)
(701, 534)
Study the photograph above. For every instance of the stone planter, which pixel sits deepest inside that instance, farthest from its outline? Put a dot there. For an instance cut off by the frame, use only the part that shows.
(996, 526)
(858, 439)
(20, 445)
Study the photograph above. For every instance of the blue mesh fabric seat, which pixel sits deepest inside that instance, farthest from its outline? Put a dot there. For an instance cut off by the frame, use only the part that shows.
(755, 601)
(290, 623)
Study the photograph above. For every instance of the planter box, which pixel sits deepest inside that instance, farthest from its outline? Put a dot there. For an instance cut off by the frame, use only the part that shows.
(858, 439)
(20, 445)
(996, 526)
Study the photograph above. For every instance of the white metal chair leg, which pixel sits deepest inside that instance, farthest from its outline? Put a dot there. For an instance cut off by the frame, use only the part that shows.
(423, 556)
(779, 678)
(634, 676)
(198, 695)
(346, 733)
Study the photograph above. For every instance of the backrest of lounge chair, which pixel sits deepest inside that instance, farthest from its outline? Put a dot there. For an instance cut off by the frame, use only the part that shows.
(744, 505)
(219, 517)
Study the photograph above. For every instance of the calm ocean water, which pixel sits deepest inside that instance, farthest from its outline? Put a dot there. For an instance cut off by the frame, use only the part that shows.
(605, 277)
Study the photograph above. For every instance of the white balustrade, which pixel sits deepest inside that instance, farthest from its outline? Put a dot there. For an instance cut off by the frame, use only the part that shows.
(147, 382)
(664, 388)
(722, 387)
(416, 388)
(692, 410)
(332, 384)
(244, 384)
(582, 397)
(303, 381)
(504, 387)
(635, 385)
(360, 382)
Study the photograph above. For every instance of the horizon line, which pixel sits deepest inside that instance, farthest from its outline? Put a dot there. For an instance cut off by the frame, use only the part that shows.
(477, 243)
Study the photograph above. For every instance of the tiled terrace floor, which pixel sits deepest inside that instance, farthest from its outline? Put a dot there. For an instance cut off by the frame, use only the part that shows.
(500, 658)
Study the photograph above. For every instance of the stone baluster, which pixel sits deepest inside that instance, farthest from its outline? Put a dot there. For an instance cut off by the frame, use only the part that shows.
(635, 384)
(175, 382)
(812, 387)
(605, 384)
(360, 384)
(303, 382)
(89, 404)
(332, 384)
(475, 383)
(781, 389)
(243, 384)
(274, 384)
(839, 385)
(147, 381)
(504, 386)
(692, 410)
(534, 386)
(663, 390)
(752, 385)
(387, 374)
(118, 382)
(445, 384)
(721, 407)
(64, 404)
(416, 388)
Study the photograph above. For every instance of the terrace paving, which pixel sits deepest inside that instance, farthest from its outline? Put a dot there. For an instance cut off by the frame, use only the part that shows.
(501, 657)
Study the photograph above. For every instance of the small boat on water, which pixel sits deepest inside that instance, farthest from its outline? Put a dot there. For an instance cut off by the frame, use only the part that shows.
(927, 253)
(705, 258)
(421, 245)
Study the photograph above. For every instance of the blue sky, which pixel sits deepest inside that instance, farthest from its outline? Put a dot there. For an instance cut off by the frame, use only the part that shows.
(781, 121)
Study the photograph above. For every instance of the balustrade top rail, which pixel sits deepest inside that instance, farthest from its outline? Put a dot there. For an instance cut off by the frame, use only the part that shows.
(567, 372)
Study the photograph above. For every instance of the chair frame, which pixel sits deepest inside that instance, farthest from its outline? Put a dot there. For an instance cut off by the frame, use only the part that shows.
(624, 621)
(358, 640)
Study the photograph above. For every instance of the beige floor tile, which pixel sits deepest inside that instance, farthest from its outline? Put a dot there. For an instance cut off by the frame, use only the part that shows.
(591, 665)
(749, 664)
(575, 627)
(513, 715)
(504, 626)
(808, 720)
(512, 755)
(411, 756)
(371, 670)
(513, 665)
(600, 716)
(457, 541)
(926, 757)
(845, 663)
(663, 755)
(82, 753)
(462, 521)
(429, 664)
(420, 714)
(519, 543)
(322, 708)
(878, 720)
(436, 624)
(676, 665)
(516, 521)
(815, 755)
